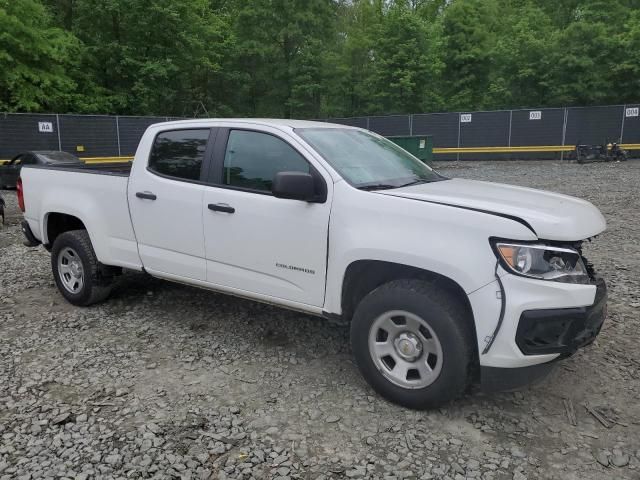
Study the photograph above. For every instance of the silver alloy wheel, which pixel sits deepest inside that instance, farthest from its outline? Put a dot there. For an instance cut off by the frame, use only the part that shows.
(405, 349)
(70, 270)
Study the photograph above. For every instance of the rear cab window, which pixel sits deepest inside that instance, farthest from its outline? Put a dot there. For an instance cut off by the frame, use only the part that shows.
(179, 153)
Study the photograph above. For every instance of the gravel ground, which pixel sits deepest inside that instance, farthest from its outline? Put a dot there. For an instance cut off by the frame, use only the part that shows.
(167, 381)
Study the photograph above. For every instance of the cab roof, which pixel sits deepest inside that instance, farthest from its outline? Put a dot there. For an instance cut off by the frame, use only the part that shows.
(273, 122)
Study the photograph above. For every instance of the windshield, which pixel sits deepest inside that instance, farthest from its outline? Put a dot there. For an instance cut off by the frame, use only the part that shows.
(366, 160)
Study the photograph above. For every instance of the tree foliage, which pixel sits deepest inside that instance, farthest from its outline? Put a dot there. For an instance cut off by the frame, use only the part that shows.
(34, 58)
(315, 58)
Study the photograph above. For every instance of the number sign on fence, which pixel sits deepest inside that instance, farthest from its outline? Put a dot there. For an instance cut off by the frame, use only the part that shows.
(45, 127)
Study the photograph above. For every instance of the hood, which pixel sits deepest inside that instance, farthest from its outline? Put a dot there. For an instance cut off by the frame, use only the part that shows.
(552, 216)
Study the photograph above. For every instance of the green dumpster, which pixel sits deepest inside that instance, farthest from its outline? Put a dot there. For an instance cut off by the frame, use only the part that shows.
(420, 146)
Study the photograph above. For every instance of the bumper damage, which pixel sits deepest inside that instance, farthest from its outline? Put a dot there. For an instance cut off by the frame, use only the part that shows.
(559, 331)
(562, 330)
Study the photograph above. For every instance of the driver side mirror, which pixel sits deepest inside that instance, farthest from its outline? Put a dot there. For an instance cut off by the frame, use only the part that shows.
(294, 186)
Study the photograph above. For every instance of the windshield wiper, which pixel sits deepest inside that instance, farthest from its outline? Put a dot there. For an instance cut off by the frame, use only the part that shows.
(387, 186)
(377, 186)
(415, 182)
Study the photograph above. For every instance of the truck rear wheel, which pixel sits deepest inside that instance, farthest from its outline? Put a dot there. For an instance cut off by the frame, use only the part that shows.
(76, 270)
(412, 343)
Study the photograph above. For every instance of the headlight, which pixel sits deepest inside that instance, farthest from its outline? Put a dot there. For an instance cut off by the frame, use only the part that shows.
(543, 262)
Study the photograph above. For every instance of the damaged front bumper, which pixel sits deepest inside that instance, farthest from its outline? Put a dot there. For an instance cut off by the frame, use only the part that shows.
(562, 330)
(543, 321)
(556, 331)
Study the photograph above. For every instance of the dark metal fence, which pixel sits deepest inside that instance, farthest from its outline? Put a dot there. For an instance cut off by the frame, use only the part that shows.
(526, 133)
(530, 133)
(87, 136)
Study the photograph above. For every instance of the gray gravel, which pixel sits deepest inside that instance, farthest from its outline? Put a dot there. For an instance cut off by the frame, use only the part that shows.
(167, 381)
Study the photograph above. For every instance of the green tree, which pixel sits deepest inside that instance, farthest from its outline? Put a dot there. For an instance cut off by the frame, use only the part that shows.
(153, 57)
(407, 63)
(469, 29)
(521, 62)
(34, 58)
(282, 51)
(587, 53)
(625, 74)
(359, 24)
(315, 58)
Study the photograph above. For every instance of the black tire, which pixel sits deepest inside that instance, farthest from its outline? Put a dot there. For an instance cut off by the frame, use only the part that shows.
(96, 284)
(445, 316)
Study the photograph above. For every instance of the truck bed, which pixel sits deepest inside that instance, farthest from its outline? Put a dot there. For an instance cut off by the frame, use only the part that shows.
(94, 194)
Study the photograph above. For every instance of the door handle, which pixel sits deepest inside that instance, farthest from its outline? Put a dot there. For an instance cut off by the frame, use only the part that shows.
(146, 195)
(221, 207)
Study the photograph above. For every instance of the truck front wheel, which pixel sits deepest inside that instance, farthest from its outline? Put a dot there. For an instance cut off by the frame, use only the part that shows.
(412, 343)
(76, 270)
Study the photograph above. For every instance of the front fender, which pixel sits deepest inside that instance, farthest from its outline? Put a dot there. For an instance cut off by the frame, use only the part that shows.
(446, 240)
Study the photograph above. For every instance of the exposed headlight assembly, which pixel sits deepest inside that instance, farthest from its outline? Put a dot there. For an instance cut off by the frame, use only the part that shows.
(544, 262)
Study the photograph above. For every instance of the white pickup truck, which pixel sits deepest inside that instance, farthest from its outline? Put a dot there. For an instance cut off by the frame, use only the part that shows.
(445, 282)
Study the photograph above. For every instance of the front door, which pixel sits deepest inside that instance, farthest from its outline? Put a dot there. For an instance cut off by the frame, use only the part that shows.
(256, 242)
(165, 200)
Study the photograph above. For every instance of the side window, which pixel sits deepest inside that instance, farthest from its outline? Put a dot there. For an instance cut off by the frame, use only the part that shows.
(252, 159)
(179, 153)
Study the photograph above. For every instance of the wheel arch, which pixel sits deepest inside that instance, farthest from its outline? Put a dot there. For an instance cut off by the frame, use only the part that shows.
(56, 223)
(363, 276)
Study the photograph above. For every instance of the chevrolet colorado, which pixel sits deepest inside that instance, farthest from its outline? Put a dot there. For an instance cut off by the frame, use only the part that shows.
(444, 282)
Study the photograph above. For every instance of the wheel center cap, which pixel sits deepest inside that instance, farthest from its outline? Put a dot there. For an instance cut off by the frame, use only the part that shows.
(408, 346)
(76, 270)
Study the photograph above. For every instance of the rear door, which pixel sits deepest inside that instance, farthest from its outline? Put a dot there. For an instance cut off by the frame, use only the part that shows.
(165, 200)
(255, 242)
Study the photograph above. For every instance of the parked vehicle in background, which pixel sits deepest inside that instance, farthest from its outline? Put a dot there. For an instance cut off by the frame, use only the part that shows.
(444, 282)
(10, 172)
(611, 152)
